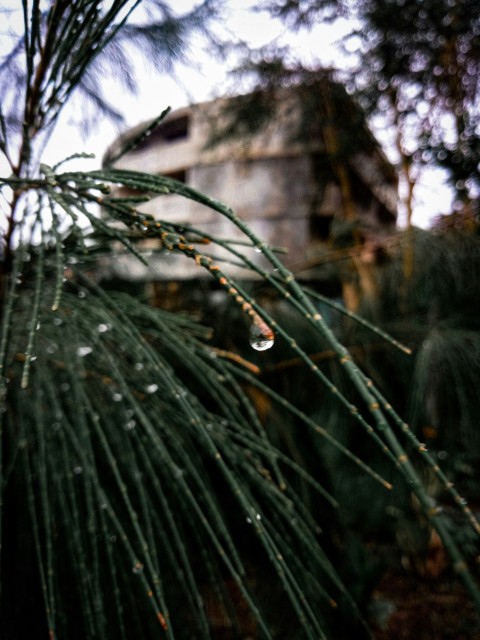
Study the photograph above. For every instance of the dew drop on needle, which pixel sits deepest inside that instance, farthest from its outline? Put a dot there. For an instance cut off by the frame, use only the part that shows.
(261, 337)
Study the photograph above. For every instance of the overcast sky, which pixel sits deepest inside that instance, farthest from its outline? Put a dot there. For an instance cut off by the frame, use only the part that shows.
(209, 79)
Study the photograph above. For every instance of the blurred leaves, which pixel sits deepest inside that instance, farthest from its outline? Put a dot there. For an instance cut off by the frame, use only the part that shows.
(417, 73)
(85, 47)
(425, 65)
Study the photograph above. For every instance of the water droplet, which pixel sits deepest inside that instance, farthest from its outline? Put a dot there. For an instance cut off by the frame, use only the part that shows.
(77, 470)
(151, 388)
(51, 348)
(113, 538)
(32, 358)
(261, 337)
(137, 567)
(82, 294)
(117, 397)
(83, 351)
(103, 327)
(442, 455)
(258, 250)
(72, 260)
(249, 520)
(138, 366)
(130, 425)
(258, 516)
(57, 321)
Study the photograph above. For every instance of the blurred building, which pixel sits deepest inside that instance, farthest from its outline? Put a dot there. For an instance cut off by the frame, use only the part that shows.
(299, 166)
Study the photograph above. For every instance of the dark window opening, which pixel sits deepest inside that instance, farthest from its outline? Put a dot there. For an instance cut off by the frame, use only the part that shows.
(362, 192)
(384, 215)
(175, 129)
(320, 227)
(169, 131)
(180, 175)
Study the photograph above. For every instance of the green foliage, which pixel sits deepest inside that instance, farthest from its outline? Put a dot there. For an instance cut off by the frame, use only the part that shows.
(418, 72)
(425, 65)
(435, 313)
(301, 13)
(140, 454)
(141, 492)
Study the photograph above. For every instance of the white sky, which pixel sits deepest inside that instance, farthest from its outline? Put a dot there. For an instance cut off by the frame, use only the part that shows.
(210, 79)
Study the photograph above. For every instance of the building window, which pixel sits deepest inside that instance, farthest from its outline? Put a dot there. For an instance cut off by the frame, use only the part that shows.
(173, 130)
(169, 131)
(180, 175)
(320, 227)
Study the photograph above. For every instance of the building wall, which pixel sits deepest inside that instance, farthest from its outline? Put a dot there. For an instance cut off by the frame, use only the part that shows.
(272, 183)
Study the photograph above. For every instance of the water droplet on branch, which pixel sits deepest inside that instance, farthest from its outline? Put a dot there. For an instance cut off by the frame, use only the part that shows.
(261, 337)
(84, 351)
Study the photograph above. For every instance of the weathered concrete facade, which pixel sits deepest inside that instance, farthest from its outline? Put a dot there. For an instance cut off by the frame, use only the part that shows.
(281, 186)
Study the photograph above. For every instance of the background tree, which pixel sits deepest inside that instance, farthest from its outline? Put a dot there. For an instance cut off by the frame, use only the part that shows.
(417, 63)
(424, 66)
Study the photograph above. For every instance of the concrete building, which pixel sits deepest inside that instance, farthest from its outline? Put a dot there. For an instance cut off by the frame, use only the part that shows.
(289, 175)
